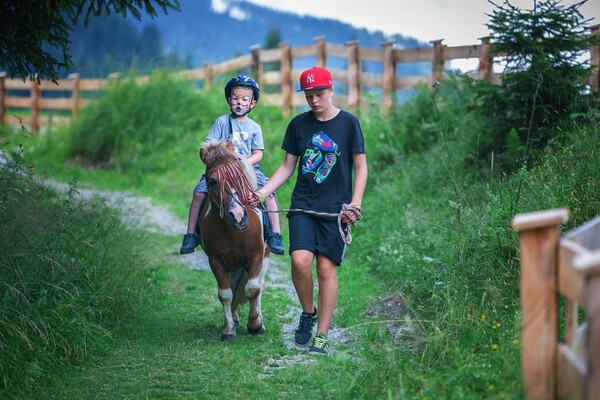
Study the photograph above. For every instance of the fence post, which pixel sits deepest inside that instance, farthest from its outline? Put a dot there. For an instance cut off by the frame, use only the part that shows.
(438, 60)
(539, 235)
(208, 75)
(591, 264)
(354, 75)
(321, 51)
(3, 95)
(486, 62)
(35, 105)
(388, 88)
(75, 103)
(595, 60)
(286, 78)
(256, 67)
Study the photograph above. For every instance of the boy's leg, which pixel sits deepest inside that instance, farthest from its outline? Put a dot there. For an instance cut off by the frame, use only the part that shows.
(190, 239)
(275, 240)
(328, 292)
(330, 251)
(194, 211)
(303, 283)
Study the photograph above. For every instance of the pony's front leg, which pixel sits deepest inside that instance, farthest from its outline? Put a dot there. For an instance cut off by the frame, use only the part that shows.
(226, 298)
(254, 289)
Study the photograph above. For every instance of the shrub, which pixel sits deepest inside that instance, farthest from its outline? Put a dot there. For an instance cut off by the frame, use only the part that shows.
(134, 121)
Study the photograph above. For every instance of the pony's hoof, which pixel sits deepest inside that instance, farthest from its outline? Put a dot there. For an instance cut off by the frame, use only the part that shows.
(257, 332)
(227, 337)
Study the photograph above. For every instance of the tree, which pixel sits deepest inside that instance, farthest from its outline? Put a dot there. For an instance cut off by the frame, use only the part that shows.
(34, 34)
(543, 83)
(544, 75)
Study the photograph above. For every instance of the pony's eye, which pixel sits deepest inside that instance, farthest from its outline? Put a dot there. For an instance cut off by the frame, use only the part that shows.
(212, 182)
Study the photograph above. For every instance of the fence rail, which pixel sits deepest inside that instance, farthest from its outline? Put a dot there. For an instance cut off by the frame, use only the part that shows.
(555, 367)
(259, 62)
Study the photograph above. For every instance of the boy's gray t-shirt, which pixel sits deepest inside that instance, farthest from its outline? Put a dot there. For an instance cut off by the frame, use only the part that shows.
(246, 136)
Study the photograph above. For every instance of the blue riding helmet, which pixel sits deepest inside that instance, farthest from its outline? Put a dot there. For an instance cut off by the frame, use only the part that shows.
(242, 80)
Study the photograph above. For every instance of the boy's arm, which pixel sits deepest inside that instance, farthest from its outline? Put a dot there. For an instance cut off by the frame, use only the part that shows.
(360, 177)
(279, 177)
(352, 214)
(256, 157)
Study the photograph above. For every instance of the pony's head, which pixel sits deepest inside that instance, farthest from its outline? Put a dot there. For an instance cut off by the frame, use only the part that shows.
(229, 179)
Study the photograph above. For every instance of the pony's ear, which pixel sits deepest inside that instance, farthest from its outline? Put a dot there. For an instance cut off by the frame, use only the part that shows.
(203, 153)
(230, 146)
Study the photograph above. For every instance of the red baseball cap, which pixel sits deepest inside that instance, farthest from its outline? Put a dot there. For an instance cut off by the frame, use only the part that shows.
(315, 78)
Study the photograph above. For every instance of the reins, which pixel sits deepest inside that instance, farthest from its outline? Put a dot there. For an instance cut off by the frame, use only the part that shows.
(351, 211)
(231, 171)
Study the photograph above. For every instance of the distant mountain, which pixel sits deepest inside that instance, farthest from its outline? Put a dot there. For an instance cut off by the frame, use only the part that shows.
(212, 31)
(217, 30)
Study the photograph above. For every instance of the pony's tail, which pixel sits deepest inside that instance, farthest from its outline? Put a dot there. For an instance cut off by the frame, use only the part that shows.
(237, 281)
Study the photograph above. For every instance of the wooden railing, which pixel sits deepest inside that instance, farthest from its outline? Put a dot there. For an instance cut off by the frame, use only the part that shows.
(356, 80)
(555, 270)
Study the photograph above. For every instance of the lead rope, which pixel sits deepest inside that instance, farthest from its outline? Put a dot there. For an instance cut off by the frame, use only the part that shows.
(351, 211)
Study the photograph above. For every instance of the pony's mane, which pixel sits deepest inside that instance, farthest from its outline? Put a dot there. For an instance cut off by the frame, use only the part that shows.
(217, 153)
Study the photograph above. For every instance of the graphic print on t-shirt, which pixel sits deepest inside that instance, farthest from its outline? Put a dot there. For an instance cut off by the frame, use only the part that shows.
(237, 138)
(320, 156)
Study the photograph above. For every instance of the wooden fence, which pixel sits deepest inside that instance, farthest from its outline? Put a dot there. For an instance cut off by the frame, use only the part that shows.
(556, 271)
(357, 81)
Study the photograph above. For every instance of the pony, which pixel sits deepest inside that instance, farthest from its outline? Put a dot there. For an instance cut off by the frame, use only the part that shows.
(231, 234)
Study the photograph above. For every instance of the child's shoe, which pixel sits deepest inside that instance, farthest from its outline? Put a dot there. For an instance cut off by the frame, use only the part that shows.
(190, 242)
(276, 243)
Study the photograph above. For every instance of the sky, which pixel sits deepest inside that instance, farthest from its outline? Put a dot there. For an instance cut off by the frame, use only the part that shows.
(458, 22)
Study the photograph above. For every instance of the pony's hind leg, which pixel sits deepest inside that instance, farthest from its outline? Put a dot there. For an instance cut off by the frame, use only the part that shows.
(226, 297)
(255, 318)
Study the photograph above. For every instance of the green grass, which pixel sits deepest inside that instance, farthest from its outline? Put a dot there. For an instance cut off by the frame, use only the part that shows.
(429, 290)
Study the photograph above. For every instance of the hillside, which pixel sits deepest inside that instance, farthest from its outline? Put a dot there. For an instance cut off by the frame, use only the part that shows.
(215, 31)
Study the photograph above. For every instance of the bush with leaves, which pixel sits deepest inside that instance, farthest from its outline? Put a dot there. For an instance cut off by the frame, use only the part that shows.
(137, 124)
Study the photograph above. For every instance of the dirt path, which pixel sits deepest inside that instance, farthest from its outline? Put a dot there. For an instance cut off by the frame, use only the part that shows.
(141, 213)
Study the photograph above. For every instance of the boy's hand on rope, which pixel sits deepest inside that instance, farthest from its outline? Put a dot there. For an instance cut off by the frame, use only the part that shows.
(351, 214)
(254, 198)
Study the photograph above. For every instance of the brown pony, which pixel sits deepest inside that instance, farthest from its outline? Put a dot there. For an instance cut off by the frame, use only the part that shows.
(231, 234)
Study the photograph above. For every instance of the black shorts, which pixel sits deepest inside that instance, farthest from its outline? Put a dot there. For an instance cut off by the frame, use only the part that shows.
(318, 235)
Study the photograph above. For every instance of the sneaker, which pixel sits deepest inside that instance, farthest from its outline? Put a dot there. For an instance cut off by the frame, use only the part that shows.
(304, 332)
(276, 243)
(190, 242)
(320, 344)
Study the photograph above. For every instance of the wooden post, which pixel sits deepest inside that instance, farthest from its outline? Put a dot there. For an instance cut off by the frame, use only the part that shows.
(388, 89)
(35, 105)
(3, 95)
(75, 94)
(286, 78)
(256, 67)
(590, 263)
(208, 75)
(321, 52)
(486, 62)
(438, 60)
(595, 60)
(354, 78)
(539, 235)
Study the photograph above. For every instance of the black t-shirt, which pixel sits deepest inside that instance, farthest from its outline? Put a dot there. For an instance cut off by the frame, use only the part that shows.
(325, 163)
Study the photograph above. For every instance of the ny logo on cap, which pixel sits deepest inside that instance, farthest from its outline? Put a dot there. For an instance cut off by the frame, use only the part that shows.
(310, 78)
